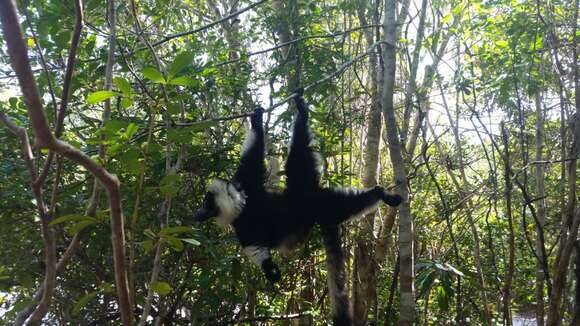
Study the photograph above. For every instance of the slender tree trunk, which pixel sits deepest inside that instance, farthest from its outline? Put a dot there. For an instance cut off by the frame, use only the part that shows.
(571, 219)
(576, 320)
(509, 271)
(406, 252)
(541, 212)
(364, 272)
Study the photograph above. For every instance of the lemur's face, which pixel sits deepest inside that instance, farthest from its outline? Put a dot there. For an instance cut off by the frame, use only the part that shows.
(208, 208)
(223, 201)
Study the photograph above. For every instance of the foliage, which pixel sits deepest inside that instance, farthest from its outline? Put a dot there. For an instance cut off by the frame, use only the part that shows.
(176, 114)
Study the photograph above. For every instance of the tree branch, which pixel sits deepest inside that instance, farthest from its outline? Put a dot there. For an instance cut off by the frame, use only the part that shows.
(45, 139)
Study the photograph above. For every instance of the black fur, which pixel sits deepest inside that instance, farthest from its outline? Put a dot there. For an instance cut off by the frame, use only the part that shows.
(272, 220)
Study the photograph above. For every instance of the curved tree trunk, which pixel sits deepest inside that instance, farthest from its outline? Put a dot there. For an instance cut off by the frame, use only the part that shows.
(406, 252)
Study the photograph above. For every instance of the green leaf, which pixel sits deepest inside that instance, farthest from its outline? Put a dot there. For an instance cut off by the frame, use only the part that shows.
(154, 75)
(106, 287)
(169, 184)
(126, 102)
(76, 228)
(442, 298)
(175, 230)
(161, 288)
(73, 217)
(173, 108)
(426, 282)
(174, 243)
(13, 102)
(150, 234)
(22, 304)
(502, 44)
(191, 242)
(203, 125)
(83, 301)
(180, 81)
(131, 130)
(181, 61)
(454, 270)
(123, 85)
(100, 96)
(147, 245)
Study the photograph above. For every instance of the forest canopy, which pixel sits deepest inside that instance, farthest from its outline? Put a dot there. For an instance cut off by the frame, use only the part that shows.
(115, 116)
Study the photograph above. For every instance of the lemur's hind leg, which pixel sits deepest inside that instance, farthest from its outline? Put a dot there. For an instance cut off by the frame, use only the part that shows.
(337, 205)
(251, 172)
(302, 165)
(261, 257)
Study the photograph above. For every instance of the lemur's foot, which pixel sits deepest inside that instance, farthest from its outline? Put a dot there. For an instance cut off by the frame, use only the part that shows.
(271, 270)
(257, 117)
(299, 100)
(390, 198)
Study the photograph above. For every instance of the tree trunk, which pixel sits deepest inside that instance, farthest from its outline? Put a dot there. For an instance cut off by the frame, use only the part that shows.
(364, 272)
(541, 212)
(509, 271)
(407, 264)
(571, 216)
(335, 264)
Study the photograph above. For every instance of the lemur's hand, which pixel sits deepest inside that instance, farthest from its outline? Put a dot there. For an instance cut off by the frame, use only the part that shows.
(256, 118)
(390, 198)
(271, 270)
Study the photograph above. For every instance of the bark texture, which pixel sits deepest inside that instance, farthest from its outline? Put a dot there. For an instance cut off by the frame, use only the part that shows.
(406, 251)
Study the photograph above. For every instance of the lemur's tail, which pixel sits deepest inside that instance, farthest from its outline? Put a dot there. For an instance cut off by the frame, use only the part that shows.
(335, 263)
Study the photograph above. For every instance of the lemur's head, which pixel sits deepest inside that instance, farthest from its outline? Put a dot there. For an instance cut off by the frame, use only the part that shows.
(223, 201)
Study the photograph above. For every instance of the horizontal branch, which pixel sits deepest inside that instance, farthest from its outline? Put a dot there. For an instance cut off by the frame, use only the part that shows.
(326, 78)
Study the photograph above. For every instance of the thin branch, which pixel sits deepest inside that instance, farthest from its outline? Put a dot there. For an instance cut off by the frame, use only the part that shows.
(72, 55)
(202, 28)
(47, 233)
(296, 40)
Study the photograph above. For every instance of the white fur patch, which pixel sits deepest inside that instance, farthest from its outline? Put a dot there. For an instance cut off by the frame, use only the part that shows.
(256, 254)
(250, 139)
(229, 201)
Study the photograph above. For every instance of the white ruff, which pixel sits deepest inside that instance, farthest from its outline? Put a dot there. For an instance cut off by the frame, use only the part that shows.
(229, 201)
(256, 254)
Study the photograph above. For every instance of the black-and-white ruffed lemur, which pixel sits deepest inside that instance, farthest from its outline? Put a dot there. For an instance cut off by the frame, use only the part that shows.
(262, 219)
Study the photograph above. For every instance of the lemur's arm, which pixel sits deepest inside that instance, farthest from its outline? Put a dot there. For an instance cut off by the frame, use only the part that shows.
(261, 257)
(251, 172)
